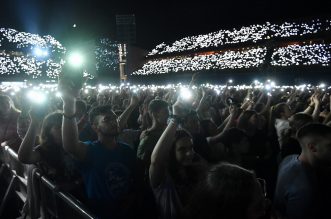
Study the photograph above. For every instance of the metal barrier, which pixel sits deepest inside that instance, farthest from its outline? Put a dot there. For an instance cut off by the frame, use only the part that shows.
(64, 204)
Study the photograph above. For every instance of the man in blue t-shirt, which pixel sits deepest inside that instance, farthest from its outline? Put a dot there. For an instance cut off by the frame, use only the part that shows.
(303, 184)
(108, 167)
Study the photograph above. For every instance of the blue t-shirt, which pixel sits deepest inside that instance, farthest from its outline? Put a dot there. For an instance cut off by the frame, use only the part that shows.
(296, 193)
(108, 174)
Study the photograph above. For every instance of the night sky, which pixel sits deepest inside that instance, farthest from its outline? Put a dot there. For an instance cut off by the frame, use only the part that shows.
(157, 21)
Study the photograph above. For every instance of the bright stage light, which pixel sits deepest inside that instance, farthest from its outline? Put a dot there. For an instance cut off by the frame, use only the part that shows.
(76, 59)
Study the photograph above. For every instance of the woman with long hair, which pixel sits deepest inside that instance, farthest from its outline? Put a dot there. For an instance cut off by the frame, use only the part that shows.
(174, 170)
(49, 155)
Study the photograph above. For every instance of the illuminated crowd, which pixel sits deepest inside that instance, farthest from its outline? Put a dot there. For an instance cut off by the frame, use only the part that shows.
(188, 150)
(171, 130)
(253, 33)
(292, 55)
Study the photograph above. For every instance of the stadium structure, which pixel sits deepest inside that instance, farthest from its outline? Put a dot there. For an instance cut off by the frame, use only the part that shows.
(288, 51)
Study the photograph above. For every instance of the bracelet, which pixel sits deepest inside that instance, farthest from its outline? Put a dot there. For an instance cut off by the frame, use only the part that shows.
(69, 117)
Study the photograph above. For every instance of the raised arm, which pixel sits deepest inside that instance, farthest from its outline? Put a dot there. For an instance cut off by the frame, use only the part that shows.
(70, 141)
(123, 118)
(160, 155)
(26, 152)
(267, 106)
(234, 111)
(317, 104)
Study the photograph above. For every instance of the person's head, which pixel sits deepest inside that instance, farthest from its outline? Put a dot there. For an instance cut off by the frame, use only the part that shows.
(248, 121)
(299, 120)
(51, 129)
(104, 121)
(227, 191)
(315, 141)
(6, 105)
(181, 153)
(191, 123)
(158, 110)
(281, 111)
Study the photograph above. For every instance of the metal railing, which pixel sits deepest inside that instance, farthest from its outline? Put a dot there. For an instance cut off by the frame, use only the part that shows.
(11, 164)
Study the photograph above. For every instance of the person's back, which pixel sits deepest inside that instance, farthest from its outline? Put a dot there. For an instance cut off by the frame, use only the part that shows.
(296, 192)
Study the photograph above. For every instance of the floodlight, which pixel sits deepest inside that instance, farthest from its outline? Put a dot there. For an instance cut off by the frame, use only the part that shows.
(76, 59)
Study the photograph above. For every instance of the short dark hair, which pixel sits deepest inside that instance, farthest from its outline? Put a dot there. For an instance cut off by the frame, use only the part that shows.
(225, 192)
(156, 105)
(314, 130)
(99, 110)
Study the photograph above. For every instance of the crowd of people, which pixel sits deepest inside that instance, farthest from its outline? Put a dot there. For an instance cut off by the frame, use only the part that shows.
(246, 34)
(164, 153)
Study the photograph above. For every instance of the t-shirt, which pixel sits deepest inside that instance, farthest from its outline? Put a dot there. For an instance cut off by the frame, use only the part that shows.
(147, 144)
(296, 195)
(57, 164)
(109, 176)
(167, 199)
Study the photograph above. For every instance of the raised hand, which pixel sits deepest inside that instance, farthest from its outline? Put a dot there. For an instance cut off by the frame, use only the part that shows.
(69, 92)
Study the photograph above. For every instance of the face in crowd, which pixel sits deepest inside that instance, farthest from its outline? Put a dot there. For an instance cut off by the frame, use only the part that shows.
(106, 124)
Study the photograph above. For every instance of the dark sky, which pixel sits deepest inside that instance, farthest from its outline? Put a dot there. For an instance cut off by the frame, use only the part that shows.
(157, 21)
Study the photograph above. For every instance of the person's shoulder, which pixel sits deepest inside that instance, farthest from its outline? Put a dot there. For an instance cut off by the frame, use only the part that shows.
(290, 164)
(290, 160)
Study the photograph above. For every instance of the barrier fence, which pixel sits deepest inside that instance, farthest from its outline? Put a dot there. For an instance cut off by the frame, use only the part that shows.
(53, 202)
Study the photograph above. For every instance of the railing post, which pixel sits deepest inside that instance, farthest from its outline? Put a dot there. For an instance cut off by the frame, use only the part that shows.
(7, 194)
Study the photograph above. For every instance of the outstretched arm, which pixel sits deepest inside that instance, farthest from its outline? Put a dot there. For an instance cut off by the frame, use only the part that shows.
(160, 155)
(70, 141)
(123, 118)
